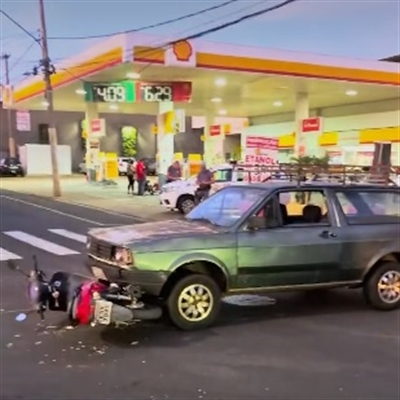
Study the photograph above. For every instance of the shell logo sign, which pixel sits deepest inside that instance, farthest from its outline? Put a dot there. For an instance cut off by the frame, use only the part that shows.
(183, 51)
(181, 54)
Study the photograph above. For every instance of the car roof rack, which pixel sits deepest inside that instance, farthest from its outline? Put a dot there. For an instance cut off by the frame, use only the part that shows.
(304, 173)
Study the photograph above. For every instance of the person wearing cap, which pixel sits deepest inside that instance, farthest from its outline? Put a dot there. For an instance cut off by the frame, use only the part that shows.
(174, 172)
(204, 181)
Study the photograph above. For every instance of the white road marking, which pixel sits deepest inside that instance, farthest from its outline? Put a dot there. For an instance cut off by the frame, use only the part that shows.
(69, 235)
(51, 210)
(7, 255)
(41, 243)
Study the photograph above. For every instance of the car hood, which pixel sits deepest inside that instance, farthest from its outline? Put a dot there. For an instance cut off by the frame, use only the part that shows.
(179, 184)
(129, 234)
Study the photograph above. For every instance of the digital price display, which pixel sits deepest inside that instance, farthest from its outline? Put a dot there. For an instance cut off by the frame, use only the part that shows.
(132, 92)
(177, 92)
(116, 92)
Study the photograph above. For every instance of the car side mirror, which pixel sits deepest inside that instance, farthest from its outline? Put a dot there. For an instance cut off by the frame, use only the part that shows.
(255, 223)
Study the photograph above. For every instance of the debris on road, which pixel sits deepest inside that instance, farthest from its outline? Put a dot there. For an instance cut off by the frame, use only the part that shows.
(21, 317)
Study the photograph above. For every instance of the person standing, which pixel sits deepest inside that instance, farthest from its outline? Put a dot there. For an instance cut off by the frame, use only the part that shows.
(204, 181)
(130, 175)
(174, 172)
(141, 176)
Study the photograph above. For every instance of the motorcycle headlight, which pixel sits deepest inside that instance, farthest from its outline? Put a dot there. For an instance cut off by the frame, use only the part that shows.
(123, 256)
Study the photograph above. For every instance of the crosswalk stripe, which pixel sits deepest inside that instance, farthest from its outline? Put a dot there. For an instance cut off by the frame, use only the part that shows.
(7, 255)
(41, 243)
(69, 235)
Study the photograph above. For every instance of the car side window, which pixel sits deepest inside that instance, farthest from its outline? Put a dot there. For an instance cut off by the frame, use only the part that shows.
(299, 207)
(370, 206)
(295, 208)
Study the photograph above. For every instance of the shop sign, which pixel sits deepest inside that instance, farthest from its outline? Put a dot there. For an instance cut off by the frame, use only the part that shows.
(309, 125)
(23, 121)
(215, 130)
(97, 128)
(261, 150)
(7, 97)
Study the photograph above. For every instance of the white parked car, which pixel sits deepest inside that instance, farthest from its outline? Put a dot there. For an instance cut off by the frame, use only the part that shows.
(179, 195)
(123, 164)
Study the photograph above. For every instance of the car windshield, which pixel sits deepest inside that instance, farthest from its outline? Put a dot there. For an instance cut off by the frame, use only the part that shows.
(226, 206)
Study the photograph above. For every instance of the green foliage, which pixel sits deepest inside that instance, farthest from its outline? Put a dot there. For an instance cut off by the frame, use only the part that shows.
(129, 141)
(311, 160)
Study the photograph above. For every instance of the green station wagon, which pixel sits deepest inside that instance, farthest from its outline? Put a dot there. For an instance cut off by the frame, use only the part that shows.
(258, 238)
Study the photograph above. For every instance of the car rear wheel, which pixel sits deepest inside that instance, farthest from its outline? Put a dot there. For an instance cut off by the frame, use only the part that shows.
(194, 302)
(382, 288)
(185, 204)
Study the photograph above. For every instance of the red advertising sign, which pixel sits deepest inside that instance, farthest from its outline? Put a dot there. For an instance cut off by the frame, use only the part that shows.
(311, 125)
(261, 150)
(97, 127)
(215, 130)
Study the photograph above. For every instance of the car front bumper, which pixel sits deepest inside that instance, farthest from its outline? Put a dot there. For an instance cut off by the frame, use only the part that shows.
(149, 282)
(168, 201)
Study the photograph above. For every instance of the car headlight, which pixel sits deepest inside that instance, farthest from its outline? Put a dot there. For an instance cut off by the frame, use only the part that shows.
(123, 256)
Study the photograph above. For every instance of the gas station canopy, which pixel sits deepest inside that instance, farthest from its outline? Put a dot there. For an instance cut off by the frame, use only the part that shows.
(132, 74)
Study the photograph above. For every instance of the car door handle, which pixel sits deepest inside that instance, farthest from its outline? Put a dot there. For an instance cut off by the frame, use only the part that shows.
(328, 234)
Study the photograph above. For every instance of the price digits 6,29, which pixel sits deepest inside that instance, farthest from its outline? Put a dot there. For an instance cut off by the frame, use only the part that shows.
(157, 93)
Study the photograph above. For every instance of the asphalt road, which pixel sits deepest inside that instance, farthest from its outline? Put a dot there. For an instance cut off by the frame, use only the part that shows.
(331, 348)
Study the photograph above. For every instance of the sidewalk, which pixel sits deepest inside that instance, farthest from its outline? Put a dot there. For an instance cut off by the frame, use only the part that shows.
(76, 190)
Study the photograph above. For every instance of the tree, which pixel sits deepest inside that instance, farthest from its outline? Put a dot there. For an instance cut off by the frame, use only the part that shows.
(312, 161)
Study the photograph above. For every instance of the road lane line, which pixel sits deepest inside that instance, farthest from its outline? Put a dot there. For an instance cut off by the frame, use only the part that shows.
(7, 255)
(51, 210)
(41, 243)
(69, 235)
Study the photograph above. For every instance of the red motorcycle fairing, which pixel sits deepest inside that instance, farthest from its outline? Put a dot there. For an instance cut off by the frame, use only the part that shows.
(83, 304)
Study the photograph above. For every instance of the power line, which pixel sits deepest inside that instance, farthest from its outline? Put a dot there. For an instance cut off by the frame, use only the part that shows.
(13, 37)
(166, 45)
(147, 27)
(17, 62)
(153, 50)
(20, 26)
(234, 22)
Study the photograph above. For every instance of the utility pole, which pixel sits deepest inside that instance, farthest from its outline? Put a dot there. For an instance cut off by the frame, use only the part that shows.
(11, 142)
(48, 70)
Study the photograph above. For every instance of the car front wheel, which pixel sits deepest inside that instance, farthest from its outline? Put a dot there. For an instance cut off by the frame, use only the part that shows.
(382, 288)
(185, 204)
(194, 302)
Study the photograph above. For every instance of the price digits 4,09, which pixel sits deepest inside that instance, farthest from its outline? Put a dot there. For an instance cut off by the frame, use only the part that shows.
(111, 94)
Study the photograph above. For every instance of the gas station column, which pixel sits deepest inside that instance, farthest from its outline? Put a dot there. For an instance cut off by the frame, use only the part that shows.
(165, 138)
(302, 112)
(213, 141)
(92, 156)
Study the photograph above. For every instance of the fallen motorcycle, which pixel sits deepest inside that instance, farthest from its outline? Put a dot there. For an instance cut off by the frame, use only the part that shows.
(86, 301)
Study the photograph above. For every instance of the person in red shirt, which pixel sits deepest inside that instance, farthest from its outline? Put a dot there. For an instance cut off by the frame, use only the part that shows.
(141, 176)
